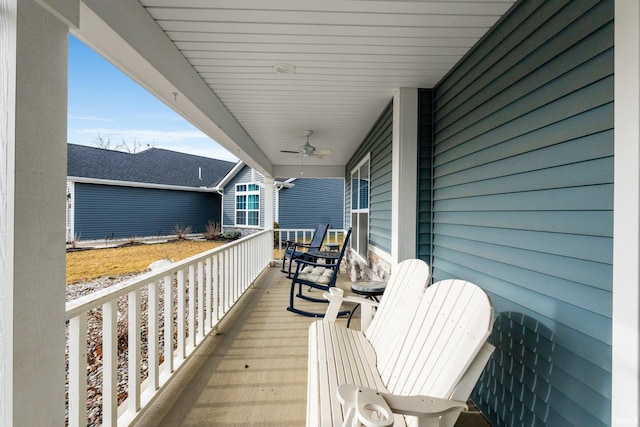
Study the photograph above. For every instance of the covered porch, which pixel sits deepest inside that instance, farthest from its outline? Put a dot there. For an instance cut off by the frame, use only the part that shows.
(254, 371)
(519, 171)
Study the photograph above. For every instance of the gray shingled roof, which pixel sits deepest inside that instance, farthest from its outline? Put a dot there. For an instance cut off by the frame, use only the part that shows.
(152, 166)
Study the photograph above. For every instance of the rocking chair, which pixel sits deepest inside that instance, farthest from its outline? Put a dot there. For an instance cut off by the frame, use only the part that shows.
(297, 250)
(316, 275)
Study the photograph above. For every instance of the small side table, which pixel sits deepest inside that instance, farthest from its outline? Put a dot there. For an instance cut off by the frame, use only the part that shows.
(329, 257)
(332, 247)
(369, 290)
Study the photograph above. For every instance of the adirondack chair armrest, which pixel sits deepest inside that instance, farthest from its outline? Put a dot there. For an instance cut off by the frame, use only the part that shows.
(336, 297)
(362, 402)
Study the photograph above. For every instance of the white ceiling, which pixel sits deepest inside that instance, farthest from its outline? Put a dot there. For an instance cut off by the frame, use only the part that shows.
(350, 57)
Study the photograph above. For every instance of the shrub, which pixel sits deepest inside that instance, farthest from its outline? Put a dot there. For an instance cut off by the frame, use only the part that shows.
(181, 231)
(231, 234)
(212, 230)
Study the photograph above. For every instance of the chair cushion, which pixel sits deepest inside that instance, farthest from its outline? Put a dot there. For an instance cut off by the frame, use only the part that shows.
(318, 275)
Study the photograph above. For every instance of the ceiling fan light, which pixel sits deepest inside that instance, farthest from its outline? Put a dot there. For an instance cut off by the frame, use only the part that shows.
(284, 68)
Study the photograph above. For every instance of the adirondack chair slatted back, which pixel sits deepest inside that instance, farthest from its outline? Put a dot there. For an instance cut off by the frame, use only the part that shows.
(452, 322)
(400, 300)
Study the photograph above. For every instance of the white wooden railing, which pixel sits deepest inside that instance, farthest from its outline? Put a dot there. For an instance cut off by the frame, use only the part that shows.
(202, 290)
(305, 235)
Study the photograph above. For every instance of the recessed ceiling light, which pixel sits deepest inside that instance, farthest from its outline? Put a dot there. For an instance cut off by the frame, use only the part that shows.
(284, 68)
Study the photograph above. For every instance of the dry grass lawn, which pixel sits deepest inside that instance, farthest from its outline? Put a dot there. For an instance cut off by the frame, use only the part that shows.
(94, 263)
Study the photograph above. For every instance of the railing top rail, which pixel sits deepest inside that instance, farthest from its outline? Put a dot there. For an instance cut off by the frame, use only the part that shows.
(96, 299)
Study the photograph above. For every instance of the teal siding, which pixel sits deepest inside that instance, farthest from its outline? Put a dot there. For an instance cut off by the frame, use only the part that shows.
(109, 211)
(425, 147)
(312, 201)
(378, 143)
(523, 199)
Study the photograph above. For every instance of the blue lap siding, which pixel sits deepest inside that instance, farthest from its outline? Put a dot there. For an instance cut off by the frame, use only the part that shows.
(122, 212)
(523, 199)
(312, 201)
(377, 144)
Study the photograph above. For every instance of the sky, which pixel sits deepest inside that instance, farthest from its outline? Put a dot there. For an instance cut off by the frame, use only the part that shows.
(104, 102)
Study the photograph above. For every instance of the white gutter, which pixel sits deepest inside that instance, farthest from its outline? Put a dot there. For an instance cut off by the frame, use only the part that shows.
(99, 181)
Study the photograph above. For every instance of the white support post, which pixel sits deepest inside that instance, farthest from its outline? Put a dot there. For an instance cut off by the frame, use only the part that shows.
(33, 122)
(404, 175)
(625, 405)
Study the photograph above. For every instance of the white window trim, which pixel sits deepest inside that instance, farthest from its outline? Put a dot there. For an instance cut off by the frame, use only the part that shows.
(356, 169)
(235, 204)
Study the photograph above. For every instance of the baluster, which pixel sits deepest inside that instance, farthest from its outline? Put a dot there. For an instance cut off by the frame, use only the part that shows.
(78, 371)
(215, 283)
(153, 340)
(182, 351)
(109, 364)
(168, 325)
(225, 284)
(208, 305)
(192, 307)
(201, 325)
(134, 352)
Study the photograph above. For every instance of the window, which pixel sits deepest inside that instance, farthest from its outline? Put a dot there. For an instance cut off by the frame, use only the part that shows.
(247, 204)
(360, 208)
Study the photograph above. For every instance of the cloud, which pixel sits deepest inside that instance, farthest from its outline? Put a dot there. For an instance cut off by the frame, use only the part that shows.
(90, 118)
(143, 135)
(161, 116)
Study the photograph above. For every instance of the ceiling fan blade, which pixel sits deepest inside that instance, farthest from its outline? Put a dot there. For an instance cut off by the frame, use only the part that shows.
(322, 152)
(289, 151)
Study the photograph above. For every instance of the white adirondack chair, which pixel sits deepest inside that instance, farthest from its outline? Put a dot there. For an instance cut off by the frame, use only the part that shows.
(408, 282)
(416, 364)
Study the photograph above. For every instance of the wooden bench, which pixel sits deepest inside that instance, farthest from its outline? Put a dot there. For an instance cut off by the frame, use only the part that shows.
(419, 358)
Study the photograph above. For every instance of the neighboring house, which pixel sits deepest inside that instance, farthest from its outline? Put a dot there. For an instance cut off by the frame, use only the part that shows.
(112, 194)
(298, 202)
(306, 202)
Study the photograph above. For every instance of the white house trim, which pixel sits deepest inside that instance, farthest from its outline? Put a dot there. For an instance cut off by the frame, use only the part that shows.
(140, 184)
(625, 399)
(404, 174)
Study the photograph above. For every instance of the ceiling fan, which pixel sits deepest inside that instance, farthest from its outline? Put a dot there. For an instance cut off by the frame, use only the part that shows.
(308, 150)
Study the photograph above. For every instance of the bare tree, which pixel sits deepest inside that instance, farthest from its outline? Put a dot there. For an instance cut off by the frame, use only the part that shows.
(135, 147)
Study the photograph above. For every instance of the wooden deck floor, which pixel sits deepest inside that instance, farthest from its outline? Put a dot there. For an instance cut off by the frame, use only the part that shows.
(253, 373)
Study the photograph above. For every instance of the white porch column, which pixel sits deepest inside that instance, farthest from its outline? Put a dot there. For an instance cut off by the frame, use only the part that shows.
(626, 217)
(404, 174)
(269, 202)
(33, 148)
